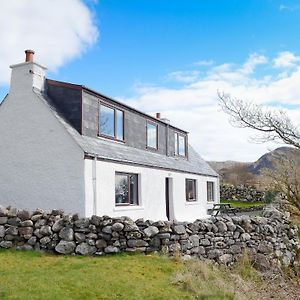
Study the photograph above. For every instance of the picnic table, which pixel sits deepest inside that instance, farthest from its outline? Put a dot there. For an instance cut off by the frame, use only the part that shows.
(223, 208)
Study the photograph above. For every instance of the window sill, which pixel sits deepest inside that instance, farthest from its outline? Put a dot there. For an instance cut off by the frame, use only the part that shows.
(108, 138)
(192, 203)
(128, 207)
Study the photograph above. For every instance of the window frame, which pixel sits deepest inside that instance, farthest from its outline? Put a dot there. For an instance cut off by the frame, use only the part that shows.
(156, 126)
(212, 193)
(115, 109)
(138, 189)
(176, 137)
(195, 199)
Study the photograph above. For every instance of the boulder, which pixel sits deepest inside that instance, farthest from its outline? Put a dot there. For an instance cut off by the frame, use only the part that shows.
(85, 249)
(151, 231)
(66, 234)
(65, 247)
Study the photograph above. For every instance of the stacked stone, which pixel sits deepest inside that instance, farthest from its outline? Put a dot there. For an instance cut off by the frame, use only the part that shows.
(241, 193)
(221, 239)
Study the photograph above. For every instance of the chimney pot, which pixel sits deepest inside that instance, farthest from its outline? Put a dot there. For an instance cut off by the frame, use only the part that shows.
(157, 115)
(29, 55)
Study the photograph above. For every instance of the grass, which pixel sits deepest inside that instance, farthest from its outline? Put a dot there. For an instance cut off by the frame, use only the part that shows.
(30, 275)
(242, 204)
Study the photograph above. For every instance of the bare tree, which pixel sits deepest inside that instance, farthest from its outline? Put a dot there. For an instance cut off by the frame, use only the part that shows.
(274, 125)
(284, 177)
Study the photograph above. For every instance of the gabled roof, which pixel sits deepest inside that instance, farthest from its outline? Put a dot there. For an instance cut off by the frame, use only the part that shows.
(117, 152)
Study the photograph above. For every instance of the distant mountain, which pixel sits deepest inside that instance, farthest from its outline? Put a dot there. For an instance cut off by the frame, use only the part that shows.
(234, 171)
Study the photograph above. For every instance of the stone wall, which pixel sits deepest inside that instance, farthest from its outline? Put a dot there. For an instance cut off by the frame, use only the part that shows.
(221, 239)
(241, 193)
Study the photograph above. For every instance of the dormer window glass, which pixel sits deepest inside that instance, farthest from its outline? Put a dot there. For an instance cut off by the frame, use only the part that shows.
(111, 122)
(180, 144)
(152, 135)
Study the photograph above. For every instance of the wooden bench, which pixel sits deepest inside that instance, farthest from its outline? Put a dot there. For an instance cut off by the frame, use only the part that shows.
(225, 208)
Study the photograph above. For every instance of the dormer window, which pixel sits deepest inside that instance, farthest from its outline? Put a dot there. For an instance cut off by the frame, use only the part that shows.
(111, 122)
(152, 135)
(180, 144)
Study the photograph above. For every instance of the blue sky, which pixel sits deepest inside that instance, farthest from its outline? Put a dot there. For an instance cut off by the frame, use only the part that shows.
(141, 51)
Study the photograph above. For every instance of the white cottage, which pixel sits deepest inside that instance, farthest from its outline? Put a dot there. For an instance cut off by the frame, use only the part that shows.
(66, 146)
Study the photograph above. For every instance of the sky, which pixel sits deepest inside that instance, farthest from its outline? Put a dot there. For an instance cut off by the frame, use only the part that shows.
(168, 56)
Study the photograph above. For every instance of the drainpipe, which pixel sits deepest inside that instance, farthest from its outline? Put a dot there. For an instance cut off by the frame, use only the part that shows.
(167, 138)
(94, 174)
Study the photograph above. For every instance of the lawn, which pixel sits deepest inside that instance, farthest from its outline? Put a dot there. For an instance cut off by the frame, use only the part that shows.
(242, 204)
(30, 275)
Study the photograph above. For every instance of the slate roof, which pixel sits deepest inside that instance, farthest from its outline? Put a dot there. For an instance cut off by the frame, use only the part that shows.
(118, 152)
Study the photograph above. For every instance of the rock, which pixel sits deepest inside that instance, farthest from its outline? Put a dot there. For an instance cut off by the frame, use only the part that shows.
(6, 244)
(205, 242)
(194, 239)
(2, 231)
(151, 231)
(45, 240)
(111, 249)
(245, 237)
(34, 218)
(107, 229)
(155, 242)
(117, 227)
(235, 249)
(24, 214)
(14, 221)
(230, 226)
(179, 229)
(27, 223)
(24, 247)
(57, 212)
(26, 232)
(82, 223)
(12, 230)
(137, 243)
(32, 241)
(66, 234)
(85, 249)
(261, 262)
(263, 247)
(58, 225)
(45, 230)
(221, 227)
(3, 211)
(12, 212)
(130, 226)
(79, 237)
(214, 253)
(3, 220)
(100, 244)
(95, 220)
(225, 259)
(65, 247)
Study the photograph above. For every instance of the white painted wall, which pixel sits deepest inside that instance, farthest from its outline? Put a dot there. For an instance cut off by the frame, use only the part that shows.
(152, 192)
(40, 164)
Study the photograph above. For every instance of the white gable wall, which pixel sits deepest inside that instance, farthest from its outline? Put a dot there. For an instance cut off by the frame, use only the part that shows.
(40, 164)
(152, 192)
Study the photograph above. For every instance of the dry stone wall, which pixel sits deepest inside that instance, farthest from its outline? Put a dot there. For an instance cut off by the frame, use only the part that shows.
(241, 193)
(221, 239)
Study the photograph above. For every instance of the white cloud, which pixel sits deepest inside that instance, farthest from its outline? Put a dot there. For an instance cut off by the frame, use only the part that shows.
(204, 63)
(58, 30)
(183, 76)
(286, 59)
(290, 8)
(194, 106)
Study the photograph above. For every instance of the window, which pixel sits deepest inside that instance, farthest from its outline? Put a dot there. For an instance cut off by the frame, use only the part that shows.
(111, 122)
(126, 189)
(151, 135)
(210, 191)
(190, 189)
(180, 144)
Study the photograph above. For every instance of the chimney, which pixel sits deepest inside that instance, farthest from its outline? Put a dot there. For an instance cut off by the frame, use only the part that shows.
(157, 115)
(29, 55)
(27, 75)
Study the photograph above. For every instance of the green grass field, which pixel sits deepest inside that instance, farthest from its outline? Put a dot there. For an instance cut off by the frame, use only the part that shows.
(242, 204)
(32, 275)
